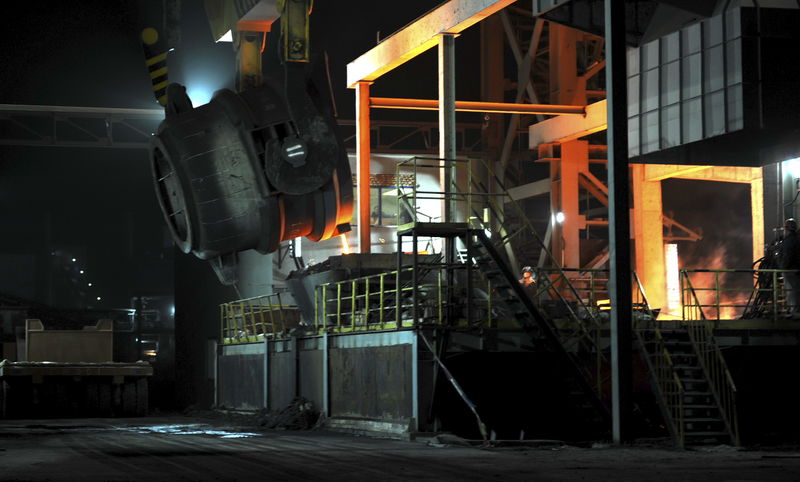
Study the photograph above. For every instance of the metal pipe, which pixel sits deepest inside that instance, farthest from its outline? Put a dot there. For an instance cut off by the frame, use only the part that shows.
(619, 223)
(476, 106)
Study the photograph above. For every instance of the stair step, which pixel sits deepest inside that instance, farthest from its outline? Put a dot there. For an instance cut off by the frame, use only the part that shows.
(699, 407)
(697, 394)
(702, 419)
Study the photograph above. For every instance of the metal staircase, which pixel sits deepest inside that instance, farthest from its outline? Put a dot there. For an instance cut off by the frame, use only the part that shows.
(586, 403)
(691, 381)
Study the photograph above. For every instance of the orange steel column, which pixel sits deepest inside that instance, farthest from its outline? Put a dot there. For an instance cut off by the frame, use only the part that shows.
(363, 160)
(648, 234)
(563, 65)
(574, 159)
(757, 208)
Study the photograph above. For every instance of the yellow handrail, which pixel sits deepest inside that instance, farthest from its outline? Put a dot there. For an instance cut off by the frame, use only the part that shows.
(253, 319)
(722, 384)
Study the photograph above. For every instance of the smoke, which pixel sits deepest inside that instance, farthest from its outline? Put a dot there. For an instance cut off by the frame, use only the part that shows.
(721, 212)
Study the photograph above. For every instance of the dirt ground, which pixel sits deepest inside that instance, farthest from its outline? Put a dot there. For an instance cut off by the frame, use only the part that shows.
(203, 448)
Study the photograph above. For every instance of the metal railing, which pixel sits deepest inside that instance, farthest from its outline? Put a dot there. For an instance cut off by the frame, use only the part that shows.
(253, 319)
(371, 303)
(484, 208)
(724, 294)
(659, 362)
(702, 336)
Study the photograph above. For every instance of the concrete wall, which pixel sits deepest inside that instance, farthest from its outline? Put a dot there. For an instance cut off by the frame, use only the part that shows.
(241, 378)
(359, 376)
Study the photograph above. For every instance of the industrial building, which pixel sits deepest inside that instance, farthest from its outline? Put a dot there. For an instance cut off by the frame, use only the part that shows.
(500, 220)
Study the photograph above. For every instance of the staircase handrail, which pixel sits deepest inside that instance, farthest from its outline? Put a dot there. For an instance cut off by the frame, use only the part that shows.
(540, 241)
(684, 275)
(716, 369)
(667, 382)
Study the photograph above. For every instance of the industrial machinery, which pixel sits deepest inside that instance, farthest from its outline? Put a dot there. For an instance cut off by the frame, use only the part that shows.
(72, 372)
(254, 168)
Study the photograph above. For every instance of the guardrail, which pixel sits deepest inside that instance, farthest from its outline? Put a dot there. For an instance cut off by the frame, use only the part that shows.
(724, 389)
(660, 364)
(253, 319)
(370, 303)
(723, 294)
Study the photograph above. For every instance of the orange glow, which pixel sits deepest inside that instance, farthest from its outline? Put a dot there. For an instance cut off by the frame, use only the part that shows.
(604, 305)
(345, 245)
(731, 303)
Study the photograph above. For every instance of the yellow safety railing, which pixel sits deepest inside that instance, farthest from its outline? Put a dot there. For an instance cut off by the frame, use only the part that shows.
(724, 294)
(366, 303)
(702, 335)
(659, 361)
(670, 385)
(370, 303)
(253, 319)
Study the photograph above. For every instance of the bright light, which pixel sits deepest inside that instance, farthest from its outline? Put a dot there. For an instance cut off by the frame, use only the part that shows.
(171, 311)
(298, 247)
(171, 49)
(199, 95)
(672, 273)
(73, 260)
(98, 298)
(81, 271)
(89, 284)
(559, 217)
(226, 37)
(487, 233)
(345, 246)
(792, 167)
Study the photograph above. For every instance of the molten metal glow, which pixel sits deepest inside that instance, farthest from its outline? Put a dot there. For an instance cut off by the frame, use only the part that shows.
(345, 245)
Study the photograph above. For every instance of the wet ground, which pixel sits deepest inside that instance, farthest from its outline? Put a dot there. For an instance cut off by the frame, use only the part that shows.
(201, 448)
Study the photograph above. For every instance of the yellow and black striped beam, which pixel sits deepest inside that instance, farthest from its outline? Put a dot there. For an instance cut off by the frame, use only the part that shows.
(155, 54)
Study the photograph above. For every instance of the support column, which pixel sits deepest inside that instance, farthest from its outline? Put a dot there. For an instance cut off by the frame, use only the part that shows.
(447, 116)
(563, 65)
(574, 159)
(363, 160)
(556, 238)
(619, 222)
(757, 208)
(648, 231)
(492, 80)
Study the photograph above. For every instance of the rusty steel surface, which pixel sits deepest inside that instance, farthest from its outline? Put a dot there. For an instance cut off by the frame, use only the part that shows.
(190, 448)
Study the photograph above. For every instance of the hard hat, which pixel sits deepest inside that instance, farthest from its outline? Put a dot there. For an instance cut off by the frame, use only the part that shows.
(790, 224)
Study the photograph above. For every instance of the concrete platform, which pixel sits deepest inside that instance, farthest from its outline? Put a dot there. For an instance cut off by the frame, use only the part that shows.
(184, 448)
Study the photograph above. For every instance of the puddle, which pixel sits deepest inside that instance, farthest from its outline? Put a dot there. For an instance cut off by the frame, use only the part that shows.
(190, 429)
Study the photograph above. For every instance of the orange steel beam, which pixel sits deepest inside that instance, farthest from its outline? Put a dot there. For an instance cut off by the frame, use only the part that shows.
(363, 156)
(452, 17)
(475, 106)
